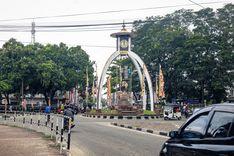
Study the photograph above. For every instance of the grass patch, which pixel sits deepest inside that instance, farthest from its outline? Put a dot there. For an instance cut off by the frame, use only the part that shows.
(109, 111)
(93, 111)
(105, 111)
(148, 112)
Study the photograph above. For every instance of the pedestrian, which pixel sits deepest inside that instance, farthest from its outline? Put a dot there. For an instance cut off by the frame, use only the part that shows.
(10, 108)
(186, 113)
(47, 111)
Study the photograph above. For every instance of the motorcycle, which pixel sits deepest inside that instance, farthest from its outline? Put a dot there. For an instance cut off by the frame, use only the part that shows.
(66, 124)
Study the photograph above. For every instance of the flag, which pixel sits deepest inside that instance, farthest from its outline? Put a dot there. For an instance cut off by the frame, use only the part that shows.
(87, 85)
(24, 104)
(71, 99)
(161, 93)
(93, 90)
(109, 90)
(32, 104)
(156, 88)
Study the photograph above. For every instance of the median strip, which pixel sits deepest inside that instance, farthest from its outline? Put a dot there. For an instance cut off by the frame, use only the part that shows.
(141, 129)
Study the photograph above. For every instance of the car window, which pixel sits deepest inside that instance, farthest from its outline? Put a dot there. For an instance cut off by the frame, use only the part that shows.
(196, 128)
(220, 124)
(231, 132)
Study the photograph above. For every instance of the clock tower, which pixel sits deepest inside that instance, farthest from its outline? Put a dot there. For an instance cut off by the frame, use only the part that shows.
(123, 48)
(123, 41)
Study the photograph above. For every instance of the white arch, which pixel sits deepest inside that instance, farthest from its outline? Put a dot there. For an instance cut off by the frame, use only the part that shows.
(136, 59)
(138, 68)
(142, 64)
(110, 59)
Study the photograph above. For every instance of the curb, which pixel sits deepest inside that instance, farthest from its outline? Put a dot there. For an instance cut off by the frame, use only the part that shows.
(141, 129)
(120, 117)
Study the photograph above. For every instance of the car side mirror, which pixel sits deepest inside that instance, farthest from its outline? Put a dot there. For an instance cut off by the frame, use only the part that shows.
(173, 134)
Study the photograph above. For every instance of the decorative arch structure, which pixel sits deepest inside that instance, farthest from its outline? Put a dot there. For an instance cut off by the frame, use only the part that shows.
(123, 48)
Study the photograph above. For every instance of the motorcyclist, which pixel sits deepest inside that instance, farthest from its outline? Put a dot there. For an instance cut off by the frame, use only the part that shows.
(70, 113)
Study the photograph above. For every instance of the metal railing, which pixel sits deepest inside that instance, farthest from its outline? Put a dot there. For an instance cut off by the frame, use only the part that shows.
(52, 125)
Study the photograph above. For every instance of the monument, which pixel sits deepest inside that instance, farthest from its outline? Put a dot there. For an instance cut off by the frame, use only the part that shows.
(123, 40)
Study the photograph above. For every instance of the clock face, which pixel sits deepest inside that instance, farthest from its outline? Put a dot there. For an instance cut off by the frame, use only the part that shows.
(124, 44)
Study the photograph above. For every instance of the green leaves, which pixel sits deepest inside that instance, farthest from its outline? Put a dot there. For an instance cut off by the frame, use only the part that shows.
(195, 50)
(44, 69)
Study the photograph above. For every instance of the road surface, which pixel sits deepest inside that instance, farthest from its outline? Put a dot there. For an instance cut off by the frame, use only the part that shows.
(96, 137)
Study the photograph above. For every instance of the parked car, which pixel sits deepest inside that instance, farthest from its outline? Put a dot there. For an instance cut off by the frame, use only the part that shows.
(208, 132)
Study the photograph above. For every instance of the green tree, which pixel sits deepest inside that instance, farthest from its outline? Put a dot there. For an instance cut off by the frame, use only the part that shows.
(42, 69)
(195, 50)
(11, 52)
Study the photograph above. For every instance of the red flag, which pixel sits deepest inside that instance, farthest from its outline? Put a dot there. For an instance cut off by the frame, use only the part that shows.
(24, 104)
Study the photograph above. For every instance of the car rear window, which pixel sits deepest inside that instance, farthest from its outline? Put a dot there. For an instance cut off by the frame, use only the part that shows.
(220, 124)
(231, 133)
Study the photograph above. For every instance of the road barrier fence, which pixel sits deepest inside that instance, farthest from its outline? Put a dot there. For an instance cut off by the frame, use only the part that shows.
(52, 125)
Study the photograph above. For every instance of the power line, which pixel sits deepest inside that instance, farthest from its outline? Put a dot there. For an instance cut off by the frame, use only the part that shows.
(81, 29)
(112, 11)
(66, 29)
(197, 4)
(84, 25)
(67, 26)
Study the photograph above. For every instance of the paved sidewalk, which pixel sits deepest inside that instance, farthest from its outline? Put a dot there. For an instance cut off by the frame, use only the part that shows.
(21, 142)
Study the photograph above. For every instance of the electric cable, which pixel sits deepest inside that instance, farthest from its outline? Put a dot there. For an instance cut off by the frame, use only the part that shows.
(112, 11)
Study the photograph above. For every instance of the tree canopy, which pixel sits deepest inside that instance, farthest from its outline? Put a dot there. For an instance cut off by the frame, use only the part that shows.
(195, 50)
(42, 69)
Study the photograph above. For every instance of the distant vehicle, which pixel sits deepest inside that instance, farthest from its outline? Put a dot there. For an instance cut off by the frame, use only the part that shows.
(171, 111)
(208, 132)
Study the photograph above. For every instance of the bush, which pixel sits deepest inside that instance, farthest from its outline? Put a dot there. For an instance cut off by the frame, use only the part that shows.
(93, 111)
(109, 111)
(148, 112)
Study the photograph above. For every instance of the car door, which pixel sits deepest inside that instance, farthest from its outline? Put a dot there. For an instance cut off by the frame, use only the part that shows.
(190, 135)
(219, 138)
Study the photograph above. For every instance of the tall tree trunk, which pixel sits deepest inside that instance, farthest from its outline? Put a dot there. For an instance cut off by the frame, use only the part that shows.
(46, 97)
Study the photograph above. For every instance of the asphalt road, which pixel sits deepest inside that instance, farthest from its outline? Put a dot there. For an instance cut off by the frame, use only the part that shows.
(96, 137)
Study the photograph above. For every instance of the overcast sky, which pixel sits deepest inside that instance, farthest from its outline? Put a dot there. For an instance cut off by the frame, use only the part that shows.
(14, 9)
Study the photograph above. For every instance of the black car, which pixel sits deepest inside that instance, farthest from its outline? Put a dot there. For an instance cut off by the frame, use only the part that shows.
(208, 132)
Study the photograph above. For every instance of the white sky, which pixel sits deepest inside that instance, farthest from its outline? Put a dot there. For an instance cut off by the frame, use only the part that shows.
(13, 9)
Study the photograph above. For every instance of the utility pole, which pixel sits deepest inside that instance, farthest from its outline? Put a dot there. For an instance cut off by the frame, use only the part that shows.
(33, 33)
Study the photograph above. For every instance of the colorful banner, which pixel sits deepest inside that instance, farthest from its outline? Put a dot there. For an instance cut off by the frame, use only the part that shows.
(161, 92)
(109, 90)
